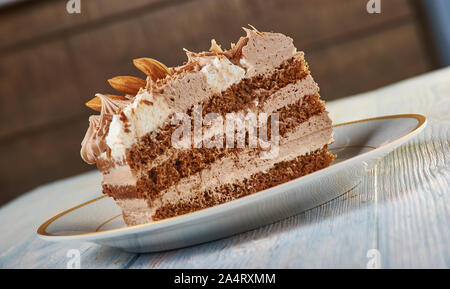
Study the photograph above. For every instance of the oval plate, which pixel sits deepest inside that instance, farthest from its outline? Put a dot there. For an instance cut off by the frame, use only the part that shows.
(358, 145)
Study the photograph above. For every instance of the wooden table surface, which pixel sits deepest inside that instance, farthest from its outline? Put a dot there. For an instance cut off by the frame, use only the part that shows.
(397, 217)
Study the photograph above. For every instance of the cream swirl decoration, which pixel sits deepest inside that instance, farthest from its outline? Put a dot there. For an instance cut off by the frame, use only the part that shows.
(94, 142)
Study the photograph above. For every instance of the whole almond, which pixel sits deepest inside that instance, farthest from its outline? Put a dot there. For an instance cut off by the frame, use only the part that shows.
(96, 102)
(152, 67)
(127, 84)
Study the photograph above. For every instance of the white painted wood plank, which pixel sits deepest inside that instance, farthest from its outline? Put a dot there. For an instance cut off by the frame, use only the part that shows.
(414, 203)
(21, 248)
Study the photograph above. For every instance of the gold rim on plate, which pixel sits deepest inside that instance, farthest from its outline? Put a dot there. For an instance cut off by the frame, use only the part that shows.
(42, 229)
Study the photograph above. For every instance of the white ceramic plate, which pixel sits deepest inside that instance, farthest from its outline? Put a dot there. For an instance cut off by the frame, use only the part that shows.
(358, 146)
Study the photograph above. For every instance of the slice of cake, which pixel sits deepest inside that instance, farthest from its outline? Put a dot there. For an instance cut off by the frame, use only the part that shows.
(224, 125)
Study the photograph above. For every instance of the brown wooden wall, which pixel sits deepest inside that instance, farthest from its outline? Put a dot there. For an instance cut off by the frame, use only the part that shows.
(51, 62)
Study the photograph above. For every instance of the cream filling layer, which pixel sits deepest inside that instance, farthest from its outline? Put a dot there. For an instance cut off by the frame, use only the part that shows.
(279, 99)
(135, 211)
(119, 176)
(309, 136)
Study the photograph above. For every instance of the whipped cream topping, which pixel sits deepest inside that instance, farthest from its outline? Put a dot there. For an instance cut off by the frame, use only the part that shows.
(92, 146)
(265, 51)
(145, 114)
(112, 106)
(94, 142)
(221, 74)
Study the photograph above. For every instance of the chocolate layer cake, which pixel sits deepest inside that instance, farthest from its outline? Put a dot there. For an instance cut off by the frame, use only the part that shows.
(223, 125)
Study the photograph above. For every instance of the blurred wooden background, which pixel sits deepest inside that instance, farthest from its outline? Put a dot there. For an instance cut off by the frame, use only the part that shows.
(51, 62)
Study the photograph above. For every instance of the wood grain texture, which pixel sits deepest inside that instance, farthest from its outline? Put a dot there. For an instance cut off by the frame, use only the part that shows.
(77, 64)
(52, 62)
(401, 207)
(338, 68)
(49, 19)
(41, 153)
